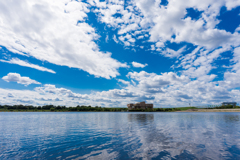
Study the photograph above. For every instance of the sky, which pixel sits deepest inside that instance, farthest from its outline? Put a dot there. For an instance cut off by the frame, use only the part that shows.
(172, 53)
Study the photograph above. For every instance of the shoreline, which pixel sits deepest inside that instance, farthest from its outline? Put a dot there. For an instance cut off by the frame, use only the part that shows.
(211, 110)
(188, 110)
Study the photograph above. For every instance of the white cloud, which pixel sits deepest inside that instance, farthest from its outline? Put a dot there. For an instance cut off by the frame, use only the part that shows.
(232, 76)
(236, 59)
(198, 32)
(115, 38)
(232, 4)
(72, 44)
(127, 39)
(126, 43)
(198, 64)
(163, 22)
(224, 66)
(172, 53)
(166, 90)
(170, 89)
(26, 64)
(123, 81)
(140, 37)
(152, 47)
(15, 77)
(131, 40)
(106, 39)
(50, 94)
(55, 31)
(139, 65)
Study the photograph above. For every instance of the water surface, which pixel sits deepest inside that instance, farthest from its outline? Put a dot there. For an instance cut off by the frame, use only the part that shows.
(122, 135)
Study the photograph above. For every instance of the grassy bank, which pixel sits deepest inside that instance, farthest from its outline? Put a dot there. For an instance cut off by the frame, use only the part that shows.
(212, 110)
(164, 109)
(52, 108)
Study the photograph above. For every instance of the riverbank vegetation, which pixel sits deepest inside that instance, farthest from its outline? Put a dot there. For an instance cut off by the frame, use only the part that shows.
(52, 108)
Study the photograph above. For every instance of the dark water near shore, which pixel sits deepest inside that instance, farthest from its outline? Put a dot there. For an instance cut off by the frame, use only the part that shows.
(119, 135)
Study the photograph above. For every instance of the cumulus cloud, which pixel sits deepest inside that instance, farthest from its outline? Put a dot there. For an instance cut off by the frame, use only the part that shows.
(172, 53)
(139, 65)
(26, 64)
(50, 94)
(164, 22)
(15, 77)
(148, 83)
(123, 81)
(55, 31)
(232, 76)
(166, 90)
(72, 44)
(173, 24)
(198, 64)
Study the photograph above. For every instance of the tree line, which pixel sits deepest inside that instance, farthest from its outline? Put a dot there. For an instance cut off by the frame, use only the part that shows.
(52, 108)
(58, 108)
(47, 108)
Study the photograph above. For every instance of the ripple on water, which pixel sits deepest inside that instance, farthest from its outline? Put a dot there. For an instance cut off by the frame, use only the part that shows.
(119, 136)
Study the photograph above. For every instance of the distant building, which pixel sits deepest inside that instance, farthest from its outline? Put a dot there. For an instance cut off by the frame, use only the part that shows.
(229, 103)
(139, 105)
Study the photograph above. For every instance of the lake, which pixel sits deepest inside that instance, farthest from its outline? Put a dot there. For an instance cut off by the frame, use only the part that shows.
(119, 135)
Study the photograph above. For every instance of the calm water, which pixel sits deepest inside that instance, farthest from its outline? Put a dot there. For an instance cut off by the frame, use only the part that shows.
(119, 135)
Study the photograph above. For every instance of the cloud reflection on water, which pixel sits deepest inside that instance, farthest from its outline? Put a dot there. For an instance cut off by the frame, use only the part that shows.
(120, 135)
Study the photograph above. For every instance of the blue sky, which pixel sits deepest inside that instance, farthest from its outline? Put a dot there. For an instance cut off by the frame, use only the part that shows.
(109, 53)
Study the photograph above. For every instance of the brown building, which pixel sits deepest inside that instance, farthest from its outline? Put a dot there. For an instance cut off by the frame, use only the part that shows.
(139, 105)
